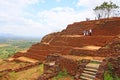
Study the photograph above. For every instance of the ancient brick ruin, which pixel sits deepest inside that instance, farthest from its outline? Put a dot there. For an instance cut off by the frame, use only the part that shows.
(55, 63)
(71, 40)
(105, 41)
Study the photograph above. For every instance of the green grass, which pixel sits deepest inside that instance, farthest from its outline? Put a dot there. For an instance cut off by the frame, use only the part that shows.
(29, 74)
(13, 75)
(79, 61)
(109, 75)
(61, 75)
(95, 62)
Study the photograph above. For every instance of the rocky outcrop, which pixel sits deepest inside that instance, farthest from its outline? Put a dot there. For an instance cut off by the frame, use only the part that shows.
(111, 64)
(47, 38)
(115, 64)
(71, 40)
(112, 48)
(106, 27)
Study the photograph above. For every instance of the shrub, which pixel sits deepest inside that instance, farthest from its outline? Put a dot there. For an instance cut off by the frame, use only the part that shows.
(109, 75)
(61, 74)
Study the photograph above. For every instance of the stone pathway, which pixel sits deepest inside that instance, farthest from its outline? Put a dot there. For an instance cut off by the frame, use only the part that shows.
(89, 72)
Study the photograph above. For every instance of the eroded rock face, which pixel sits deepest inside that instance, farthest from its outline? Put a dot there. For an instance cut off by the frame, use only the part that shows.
(115, 63)
(112, 48)
(48, 37)
(109, 62)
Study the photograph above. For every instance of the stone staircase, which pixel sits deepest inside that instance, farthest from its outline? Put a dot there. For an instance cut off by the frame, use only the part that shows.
(89, 72)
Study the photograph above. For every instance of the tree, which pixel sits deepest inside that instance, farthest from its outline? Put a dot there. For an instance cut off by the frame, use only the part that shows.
(105, 9)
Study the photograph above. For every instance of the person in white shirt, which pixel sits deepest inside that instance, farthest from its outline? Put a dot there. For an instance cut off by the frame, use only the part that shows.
(90, 32)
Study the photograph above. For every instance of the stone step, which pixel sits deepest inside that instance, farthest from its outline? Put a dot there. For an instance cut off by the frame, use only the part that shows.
(85, 78)
(89, 72)
(88, 75)
(90, 69)
(92, 65)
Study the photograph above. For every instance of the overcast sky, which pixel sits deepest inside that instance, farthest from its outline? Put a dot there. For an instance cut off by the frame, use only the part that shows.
(37, 18)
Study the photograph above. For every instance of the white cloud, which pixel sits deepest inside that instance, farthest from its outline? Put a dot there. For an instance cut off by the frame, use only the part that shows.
(55, 19)
(29, 28)
(13, 9)
(12, 14)
(51, 20)
(89, 5)
(58, 18)
(92, 3)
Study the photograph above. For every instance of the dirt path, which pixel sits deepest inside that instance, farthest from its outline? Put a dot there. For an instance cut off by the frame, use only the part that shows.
(72, 36)
(82, 57)
(90, 47)
(26, 59)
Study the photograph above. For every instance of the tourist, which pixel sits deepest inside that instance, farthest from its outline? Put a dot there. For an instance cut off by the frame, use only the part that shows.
(87, 33)
(84, 32)
(99, 16)
(90, 32)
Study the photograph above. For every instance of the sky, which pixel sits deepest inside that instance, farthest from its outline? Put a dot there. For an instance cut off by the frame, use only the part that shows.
(36, 18)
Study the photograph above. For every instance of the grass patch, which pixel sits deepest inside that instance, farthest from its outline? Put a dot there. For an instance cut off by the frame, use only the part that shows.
(109, 75)
(62, 75)
(79, 61)
(40, 69)
(13, 75)
(95, 62)
(30, 74)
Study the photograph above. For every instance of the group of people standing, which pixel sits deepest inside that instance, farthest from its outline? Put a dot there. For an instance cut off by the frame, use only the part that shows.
(87, 32)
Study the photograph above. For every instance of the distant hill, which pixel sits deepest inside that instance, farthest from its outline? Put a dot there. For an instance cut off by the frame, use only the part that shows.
(4, 37)
(7, 35)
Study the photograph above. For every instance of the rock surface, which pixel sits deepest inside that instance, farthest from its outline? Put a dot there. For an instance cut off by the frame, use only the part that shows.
(72, 41)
